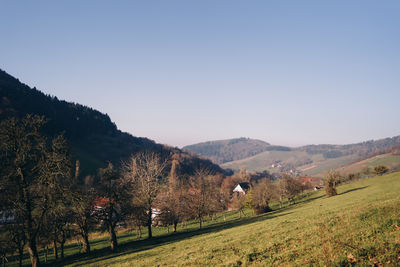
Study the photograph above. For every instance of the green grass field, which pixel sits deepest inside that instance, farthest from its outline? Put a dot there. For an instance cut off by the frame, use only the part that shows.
(322, 167)
(361, 226)
(263, 161)
(388, 160)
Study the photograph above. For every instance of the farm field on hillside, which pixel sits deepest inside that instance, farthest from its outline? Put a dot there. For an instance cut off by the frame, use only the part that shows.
(264, 160)
(389, 160)
(323, 166)
(360, 225)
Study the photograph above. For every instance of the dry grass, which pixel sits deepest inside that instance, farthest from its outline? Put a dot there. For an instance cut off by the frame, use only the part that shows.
(359, 226)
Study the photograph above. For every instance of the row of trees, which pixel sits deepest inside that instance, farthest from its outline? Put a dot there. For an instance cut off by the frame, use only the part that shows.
(45, 202)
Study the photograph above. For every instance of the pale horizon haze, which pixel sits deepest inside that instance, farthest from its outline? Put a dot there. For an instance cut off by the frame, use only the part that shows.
(181, 72)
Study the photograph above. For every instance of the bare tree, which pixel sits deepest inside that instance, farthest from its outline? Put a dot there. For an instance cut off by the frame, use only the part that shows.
(137, 217)
(331, 180)
(144, 172)
(114, 191)
(202, 195)
(14, 238)
(6, 247)
(57, 173)
(263, 193)
(238, 203)
(29, 172)
(170, 202)
(289, 188)
(83, 197)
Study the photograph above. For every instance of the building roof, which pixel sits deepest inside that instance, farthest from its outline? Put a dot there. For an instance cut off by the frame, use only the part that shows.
(242, 187)
(100, 202)
(245, 185)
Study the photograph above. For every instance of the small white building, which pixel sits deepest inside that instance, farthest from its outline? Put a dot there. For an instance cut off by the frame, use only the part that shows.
(154, 213)
(242, 188)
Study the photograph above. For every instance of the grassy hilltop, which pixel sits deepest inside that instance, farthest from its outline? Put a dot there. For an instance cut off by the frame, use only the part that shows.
(361, 225)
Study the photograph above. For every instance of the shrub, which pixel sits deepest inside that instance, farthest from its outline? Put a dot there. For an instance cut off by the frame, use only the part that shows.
(381, 169)
(330, 183)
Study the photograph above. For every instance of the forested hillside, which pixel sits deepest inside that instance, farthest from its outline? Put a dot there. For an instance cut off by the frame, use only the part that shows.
(222, 151)
(94, 139)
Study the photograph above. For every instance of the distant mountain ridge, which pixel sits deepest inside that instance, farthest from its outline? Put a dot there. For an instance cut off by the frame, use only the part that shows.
(93, 137)
(309, 159)
(221, 151)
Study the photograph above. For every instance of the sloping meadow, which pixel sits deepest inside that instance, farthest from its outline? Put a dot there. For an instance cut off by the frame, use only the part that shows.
(360, 226)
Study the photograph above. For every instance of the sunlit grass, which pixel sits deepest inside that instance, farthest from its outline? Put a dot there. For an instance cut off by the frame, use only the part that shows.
(361, 225)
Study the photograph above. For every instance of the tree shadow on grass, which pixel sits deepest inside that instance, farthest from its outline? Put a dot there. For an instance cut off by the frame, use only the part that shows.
(310, 199)
(353, 189)
(146, 244)
(92, 242)
(301, 201)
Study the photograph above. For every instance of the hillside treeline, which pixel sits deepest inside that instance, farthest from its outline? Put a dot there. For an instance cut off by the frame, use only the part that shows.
(229, 150)
(363, 149)
(93, 138)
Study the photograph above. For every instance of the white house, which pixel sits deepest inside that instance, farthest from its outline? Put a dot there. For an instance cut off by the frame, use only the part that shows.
(242, 188)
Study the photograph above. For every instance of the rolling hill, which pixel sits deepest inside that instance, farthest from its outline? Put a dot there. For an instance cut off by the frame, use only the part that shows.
(94, 139)
(222, 151)
(309, 160)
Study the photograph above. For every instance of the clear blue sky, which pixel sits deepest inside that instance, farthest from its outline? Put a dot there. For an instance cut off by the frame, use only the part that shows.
(181, 72)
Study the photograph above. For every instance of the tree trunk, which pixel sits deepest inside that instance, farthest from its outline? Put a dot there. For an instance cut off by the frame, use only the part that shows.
(46, 252)
(4, 259)
(149, 223)
(20, 255)
(113, 239)
(200, 222)
(168, 228)
(139, 232)
(86, 244)
(31, 236)
(240, 213)
(63, 239)
(62, 249)
(33, 254)
(55, 250)
(175, 225)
